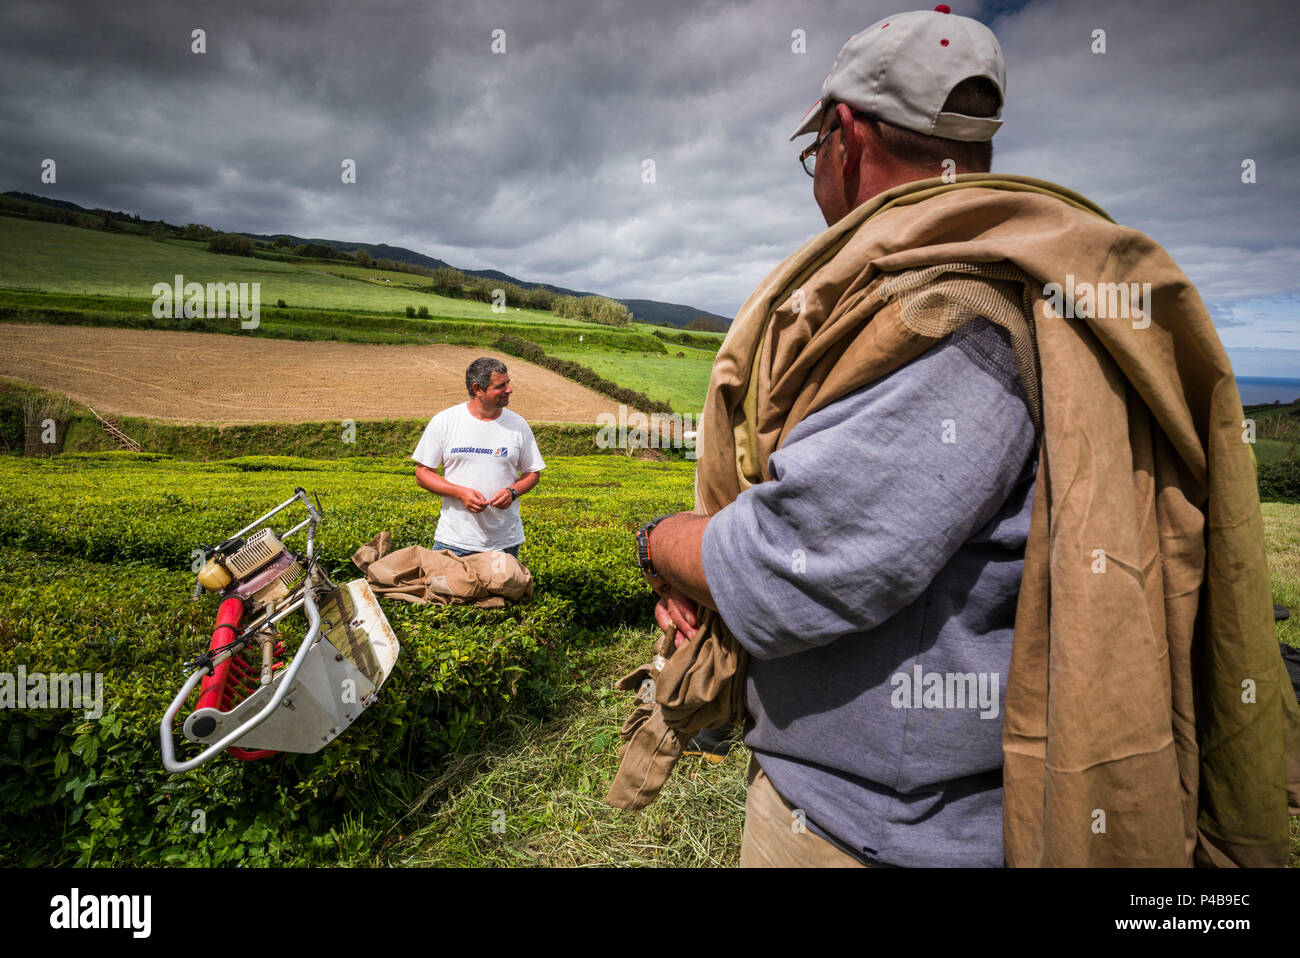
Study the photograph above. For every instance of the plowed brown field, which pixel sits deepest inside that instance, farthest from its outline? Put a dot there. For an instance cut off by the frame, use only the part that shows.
(206, 377)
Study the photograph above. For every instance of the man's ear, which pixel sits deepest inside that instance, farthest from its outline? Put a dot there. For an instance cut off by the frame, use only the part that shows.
(851, 141)
(852, 146)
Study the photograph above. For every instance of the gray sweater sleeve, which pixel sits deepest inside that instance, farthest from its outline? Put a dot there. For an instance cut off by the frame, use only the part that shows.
(870, 497)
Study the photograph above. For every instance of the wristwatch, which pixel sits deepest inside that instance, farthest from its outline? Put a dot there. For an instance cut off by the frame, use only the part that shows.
(514, 493)
(643, 546)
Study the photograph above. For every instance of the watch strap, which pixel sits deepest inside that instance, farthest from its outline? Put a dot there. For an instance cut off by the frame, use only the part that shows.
(643, 546)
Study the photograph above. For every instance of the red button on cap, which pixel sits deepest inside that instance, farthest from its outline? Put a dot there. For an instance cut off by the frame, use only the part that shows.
(943, 8)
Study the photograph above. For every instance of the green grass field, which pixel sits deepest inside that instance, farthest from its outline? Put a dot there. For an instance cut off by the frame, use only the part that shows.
(681, 381)
(1273, 450)
(64, 259)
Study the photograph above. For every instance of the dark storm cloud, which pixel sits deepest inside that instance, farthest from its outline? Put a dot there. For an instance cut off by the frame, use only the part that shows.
(531, 161)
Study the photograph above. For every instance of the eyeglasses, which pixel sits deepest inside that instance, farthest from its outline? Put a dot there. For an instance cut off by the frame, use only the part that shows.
(808, 158)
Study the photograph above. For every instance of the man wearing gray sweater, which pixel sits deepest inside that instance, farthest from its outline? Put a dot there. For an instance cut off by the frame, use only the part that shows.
(873, 581)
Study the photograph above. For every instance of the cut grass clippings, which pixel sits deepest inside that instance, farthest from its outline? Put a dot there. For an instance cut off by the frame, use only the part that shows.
(535, 795)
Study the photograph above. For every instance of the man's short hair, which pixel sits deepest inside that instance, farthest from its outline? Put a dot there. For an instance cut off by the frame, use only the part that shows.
(480, 373)
(974, 96)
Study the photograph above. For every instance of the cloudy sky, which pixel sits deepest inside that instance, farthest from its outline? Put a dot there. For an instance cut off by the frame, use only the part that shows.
(530, 160)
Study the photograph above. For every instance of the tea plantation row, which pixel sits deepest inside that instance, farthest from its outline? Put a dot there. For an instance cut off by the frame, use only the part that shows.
(95, 575)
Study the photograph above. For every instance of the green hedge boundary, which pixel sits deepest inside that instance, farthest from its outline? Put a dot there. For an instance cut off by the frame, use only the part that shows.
(1279, 481)
(311, 324)
(310, 440)
(533, 353)
(313, 440)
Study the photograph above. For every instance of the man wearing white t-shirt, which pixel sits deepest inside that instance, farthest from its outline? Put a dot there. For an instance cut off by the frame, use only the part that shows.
(489, 459)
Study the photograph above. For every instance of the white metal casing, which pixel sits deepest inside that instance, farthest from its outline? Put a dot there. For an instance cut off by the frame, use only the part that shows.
(350, 659)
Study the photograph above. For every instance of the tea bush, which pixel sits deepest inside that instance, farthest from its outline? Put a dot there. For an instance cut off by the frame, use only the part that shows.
(95, 576)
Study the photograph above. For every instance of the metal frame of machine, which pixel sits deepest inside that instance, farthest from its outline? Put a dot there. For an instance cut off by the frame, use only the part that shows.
(251, 704)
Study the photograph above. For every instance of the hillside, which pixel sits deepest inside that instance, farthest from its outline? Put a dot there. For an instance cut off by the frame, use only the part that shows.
(76, 277)
(644, 310)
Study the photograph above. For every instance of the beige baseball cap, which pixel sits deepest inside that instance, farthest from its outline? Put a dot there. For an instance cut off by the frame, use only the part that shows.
(901, 69)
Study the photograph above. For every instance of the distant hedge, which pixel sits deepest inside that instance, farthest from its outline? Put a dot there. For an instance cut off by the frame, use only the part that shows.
(1280, 481)
(315, 325)
(684, 338)
(231, 243)
(530, 351)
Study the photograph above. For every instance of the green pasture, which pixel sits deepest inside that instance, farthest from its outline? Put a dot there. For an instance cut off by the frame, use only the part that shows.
(1275, 450)
(681, 381)
(63, 259)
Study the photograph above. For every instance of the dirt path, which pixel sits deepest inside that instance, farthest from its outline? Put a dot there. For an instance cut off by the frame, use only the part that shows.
(205, 377)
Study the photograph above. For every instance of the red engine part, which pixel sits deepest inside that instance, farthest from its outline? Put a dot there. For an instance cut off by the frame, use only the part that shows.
(236, 678)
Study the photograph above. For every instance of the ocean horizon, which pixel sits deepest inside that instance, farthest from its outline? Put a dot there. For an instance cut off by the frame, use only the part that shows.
(1265, 389)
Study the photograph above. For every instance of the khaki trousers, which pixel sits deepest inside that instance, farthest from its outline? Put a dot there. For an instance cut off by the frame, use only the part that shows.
(775, 837)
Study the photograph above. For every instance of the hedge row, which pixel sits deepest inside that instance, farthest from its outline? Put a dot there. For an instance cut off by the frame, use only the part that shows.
(683, 338)
(534, 353)
(1280, 481)
(311, 324)
(112, 507)
(317, 440)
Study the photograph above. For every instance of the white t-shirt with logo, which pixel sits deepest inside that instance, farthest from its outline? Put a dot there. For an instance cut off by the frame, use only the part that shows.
(486, 456)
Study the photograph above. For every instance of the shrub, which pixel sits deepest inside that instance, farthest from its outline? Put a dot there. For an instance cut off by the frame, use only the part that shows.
(592, 309)
(231, 243)
(422, 312)
(1280, 481)
(452, 282)
(319, 251)
(687, 339)
(706, 324)
(316, 324)
(410, 312)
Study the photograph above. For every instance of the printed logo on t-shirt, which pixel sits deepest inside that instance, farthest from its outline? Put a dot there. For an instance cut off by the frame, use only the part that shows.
(498, 453)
